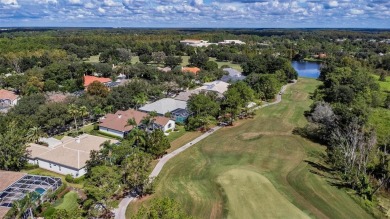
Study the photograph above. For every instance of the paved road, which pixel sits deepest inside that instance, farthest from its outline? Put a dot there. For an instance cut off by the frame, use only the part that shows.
(120, 212)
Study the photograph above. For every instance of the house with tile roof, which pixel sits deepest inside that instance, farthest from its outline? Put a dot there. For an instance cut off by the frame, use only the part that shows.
(168, 105)
(8, 98)
(69, 157)
(116, 124)
(193, 70)
(88, 79)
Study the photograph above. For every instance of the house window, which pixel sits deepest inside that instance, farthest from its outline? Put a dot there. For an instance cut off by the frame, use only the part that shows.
(59, 168)
(50, 165)
(169, 125)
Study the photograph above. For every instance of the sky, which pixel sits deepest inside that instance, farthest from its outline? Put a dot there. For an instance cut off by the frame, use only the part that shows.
(196, 13)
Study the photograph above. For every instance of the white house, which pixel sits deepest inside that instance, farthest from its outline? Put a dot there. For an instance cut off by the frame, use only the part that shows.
(117, 124)
(69, 157)
(8, 98)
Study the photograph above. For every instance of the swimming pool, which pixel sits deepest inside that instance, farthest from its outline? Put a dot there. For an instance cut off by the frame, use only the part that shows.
(40, 191)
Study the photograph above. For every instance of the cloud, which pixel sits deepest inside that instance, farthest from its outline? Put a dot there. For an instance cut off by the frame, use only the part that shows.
(9, 2)
(356, 11)
(198, 13)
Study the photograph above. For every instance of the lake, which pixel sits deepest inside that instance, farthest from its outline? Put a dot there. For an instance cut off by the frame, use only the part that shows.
(307, 69)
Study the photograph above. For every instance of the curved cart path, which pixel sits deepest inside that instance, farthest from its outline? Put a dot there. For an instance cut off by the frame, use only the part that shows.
(120, 212)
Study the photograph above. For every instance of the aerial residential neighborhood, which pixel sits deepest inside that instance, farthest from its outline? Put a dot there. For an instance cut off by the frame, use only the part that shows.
(121, 109)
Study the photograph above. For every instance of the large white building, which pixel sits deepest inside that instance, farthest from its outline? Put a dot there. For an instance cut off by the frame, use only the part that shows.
(68, 157)
(196, 43)
(238, 42)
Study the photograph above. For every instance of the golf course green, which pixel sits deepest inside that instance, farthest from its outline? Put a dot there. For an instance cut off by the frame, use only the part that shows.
(257, 169)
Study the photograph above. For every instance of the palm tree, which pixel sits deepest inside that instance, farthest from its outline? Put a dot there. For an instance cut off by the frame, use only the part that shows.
(34, 134)
(137, 135)
(74, 112)
(83, 113)
(139, 100)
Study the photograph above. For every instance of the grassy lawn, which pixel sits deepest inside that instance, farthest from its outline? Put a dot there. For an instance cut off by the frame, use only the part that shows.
(69, 202)
(43, 172)
(235, 66)
(176, 134)
(134, 60)
(185, 60)
(385, 85)
(182, 140)
(380, 118)
(93, 59)
(257, 169)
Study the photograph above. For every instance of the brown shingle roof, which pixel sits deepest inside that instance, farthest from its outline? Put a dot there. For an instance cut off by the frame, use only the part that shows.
(118, 121)
(9, 95)
(3, 211)
(8, 178)
(71, 153)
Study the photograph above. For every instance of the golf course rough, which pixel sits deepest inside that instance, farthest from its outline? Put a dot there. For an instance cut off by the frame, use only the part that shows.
(258, 169)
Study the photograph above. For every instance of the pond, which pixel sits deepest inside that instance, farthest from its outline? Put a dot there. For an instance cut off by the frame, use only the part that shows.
(307, 69)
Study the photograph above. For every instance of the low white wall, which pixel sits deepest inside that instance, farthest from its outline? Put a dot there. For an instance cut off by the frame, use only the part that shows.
(57, 168)
(111, 131)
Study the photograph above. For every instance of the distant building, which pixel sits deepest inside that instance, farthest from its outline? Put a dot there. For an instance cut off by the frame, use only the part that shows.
(116, 124)
(166, 69)
(88, 79)
(238, 42)
(233, 75)
(168, 105)
(193, 70)
(14, 186)
(69, 157)
(196, 43)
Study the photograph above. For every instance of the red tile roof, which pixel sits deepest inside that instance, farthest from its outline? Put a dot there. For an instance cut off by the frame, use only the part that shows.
(118, 121)
(89, 79)
(194, 70)
(8, 95)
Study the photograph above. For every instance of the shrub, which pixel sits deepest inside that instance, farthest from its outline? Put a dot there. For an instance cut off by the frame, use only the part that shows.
(69, 178)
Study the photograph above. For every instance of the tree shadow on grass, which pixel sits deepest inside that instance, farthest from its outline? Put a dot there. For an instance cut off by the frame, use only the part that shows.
(328, 174)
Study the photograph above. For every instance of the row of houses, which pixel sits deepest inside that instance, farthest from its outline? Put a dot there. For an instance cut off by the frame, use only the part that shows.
(204, 43)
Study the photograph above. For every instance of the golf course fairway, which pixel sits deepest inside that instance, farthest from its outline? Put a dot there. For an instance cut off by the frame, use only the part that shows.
(257, 169)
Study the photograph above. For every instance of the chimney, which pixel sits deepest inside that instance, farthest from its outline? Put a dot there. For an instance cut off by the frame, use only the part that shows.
(119, 116)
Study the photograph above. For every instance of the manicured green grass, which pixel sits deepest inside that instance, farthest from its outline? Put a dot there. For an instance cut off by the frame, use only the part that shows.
(379, 118)
(385, 85)
(69, 202)
(93, 59)
(176, 134)
(185, 61)
(134, 60)
(258, 169)
(230, 64)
